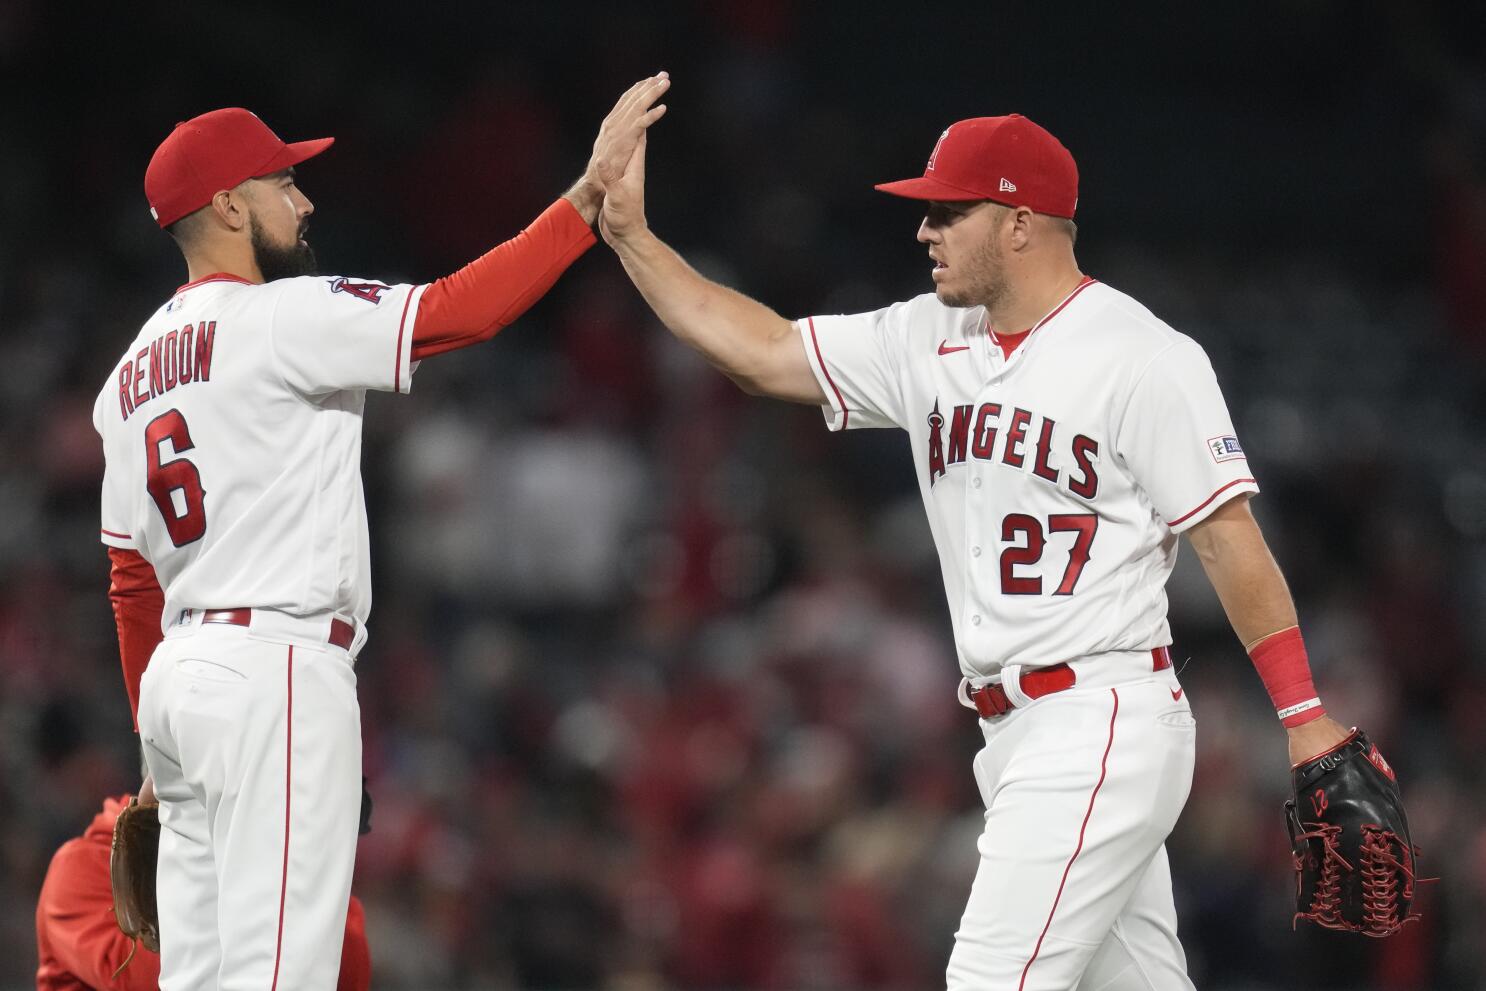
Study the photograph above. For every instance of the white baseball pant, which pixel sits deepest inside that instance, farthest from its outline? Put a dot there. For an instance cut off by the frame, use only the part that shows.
(254, 744)
(1081, 787)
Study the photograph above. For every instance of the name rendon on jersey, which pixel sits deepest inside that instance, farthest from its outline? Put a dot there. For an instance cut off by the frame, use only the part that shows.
(177, 357)
(980, 442)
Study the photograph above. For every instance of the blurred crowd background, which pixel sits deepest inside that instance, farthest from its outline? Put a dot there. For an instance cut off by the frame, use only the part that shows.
(660, 689)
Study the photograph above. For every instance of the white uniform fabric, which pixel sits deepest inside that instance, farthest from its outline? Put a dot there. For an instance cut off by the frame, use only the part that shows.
(232, 437)
(1081, 789)
(1105, 426)
(1056, 483)
(275, 435)
(255, 749)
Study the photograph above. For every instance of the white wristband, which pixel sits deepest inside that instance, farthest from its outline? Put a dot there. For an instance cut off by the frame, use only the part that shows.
(1298, 708)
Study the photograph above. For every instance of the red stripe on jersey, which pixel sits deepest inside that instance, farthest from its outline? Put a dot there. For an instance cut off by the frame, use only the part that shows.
(1103, 771)
(215, 277)
(110, 533)
(1010, 342)
(401, 324)
(826, 371)
(1086, 283)
(1186, 516)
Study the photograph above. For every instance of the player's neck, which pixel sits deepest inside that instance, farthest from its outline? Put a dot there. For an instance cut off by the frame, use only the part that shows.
(1032, 300)
(228, 259)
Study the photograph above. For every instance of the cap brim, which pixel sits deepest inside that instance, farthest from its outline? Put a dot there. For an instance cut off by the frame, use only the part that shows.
(293, 154)
(925, 188)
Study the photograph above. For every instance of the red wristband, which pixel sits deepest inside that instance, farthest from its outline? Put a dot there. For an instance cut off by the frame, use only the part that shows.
(1286, 671)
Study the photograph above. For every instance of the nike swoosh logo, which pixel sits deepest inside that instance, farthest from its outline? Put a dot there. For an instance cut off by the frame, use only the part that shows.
(1176, 696)
(944, 347)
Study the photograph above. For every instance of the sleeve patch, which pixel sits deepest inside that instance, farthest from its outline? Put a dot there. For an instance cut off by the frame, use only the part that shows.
(371, 292)
(1225, 448)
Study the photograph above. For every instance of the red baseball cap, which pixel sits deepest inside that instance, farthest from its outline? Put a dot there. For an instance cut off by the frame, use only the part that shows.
(216, 151)
(1007, 159)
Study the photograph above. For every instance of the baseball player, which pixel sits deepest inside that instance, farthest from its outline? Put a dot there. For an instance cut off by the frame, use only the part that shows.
(80, 947)
(235, 519)
(1063, 438)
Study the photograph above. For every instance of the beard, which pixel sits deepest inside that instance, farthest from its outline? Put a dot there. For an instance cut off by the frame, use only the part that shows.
(986, 285)
(277, 261)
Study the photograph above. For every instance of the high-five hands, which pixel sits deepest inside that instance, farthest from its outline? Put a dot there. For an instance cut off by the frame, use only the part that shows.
(623, 181)
(619, 135)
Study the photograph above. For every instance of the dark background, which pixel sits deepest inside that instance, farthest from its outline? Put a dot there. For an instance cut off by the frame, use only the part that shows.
(659, 692)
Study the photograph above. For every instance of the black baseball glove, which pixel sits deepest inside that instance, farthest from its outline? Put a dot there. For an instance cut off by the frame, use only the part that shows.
(1354, 862)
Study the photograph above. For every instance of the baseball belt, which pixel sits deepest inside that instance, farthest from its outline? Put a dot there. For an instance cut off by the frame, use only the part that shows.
(991, 700)
(342, 633)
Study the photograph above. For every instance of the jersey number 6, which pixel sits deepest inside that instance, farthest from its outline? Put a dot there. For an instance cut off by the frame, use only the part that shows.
(1082, 524)
(165, 478)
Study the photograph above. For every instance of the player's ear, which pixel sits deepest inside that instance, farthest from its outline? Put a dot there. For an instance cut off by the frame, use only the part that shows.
(231, 208)
(1021, 221)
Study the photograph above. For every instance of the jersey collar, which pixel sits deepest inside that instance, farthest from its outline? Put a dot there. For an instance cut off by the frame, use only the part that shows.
(1018, 339)
(1086, 283)
(214, 277)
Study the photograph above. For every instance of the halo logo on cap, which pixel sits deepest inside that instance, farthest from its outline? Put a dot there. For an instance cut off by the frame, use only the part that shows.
(935, 153)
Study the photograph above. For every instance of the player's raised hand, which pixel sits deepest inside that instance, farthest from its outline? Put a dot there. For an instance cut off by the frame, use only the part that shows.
(623, 210)
(618, 135)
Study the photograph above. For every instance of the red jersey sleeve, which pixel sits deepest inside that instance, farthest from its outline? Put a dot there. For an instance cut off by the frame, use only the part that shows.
(137, 603)
(490, 292)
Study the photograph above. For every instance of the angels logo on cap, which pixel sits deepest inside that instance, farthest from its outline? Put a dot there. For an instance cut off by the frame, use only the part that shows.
(935, 153)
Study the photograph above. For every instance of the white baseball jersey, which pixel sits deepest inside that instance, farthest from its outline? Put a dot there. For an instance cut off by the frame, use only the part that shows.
(232, 436)
(1056, 480)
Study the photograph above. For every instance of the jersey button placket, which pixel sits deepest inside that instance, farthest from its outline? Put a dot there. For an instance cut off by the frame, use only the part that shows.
(977, 499)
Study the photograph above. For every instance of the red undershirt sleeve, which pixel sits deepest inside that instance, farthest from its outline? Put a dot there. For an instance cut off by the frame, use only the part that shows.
(490, 292)
(137, 603)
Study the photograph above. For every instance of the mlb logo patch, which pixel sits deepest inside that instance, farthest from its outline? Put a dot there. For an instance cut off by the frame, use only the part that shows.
(1225, 448)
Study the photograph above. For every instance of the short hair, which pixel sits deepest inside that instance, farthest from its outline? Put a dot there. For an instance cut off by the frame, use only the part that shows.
(188, 228)
(1066, 223)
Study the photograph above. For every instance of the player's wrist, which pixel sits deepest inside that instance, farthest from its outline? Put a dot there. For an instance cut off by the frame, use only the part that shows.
(587, 197)
(1316, 739)
(1285, 669)
(628, 236)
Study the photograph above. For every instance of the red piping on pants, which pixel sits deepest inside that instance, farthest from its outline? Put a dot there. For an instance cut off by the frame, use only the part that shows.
(1103, 768)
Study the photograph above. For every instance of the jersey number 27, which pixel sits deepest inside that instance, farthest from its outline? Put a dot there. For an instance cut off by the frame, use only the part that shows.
(166, 481)
(1082, 525)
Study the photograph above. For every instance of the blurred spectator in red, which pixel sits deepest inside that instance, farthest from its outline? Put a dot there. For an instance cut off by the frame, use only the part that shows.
(81, 946)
